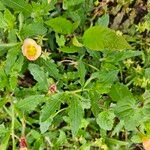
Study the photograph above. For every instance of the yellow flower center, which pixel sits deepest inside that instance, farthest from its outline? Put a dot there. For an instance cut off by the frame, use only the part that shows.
(31, 50)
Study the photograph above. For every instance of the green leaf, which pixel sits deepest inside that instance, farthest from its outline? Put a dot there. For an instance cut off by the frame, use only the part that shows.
(146, 107)
(76, 43)
(39, 75)
(3, 23)
(118, 128)
(9, 18)
(8, 45)
(61, 25)
(4, 142)
(11, 59)
(128, 111)
(33, 29)
(20, 5)
(101, 38)
(60, 40)
(13, 81)
(2, 7)
(50, 107)
(105, 120)
(105, 81)
(70, 3)
(3, 79)
(120, 56)
(120, 92)
(30, 103)
(3, 130)
(70, 49)
(45, 125)
(95, 98)
(103, 21)
(51, 68)
(75, 113)
(81, 72)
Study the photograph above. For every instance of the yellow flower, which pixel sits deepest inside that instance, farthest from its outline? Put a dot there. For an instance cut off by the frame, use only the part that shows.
(30, 49)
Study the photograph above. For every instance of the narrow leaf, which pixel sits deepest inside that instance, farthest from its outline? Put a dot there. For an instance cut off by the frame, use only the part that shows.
(75, 113)
(30, 103)
(39, 75)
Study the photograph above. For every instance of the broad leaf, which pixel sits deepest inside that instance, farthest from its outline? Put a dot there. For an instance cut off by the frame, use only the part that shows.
(128, 111)
(50, 107)
(105, 120)
(33, 29)
(120, 92)
(20, 5)
(61, 25)
(101, 38)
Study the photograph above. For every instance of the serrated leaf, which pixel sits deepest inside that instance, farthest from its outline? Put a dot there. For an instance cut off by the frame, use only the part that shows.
(81, 72)
(30, 103)
(95, 107)
(45, 125)
(33, 29)
(11, 59)
(128, 111)
(105, 120)
(105, 81)
(120, 92)
(101, 38)
(146, 107)
(75, 113)
(61, 25)
(120, 56)
(50, 107)
(51, 68)
(3, 79)
(39, 75)
(20, 5)
(4, 142)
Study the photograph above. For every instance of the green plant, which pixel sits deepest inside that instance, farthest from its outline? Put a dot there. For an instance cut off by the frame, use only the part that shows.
(88, 89)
